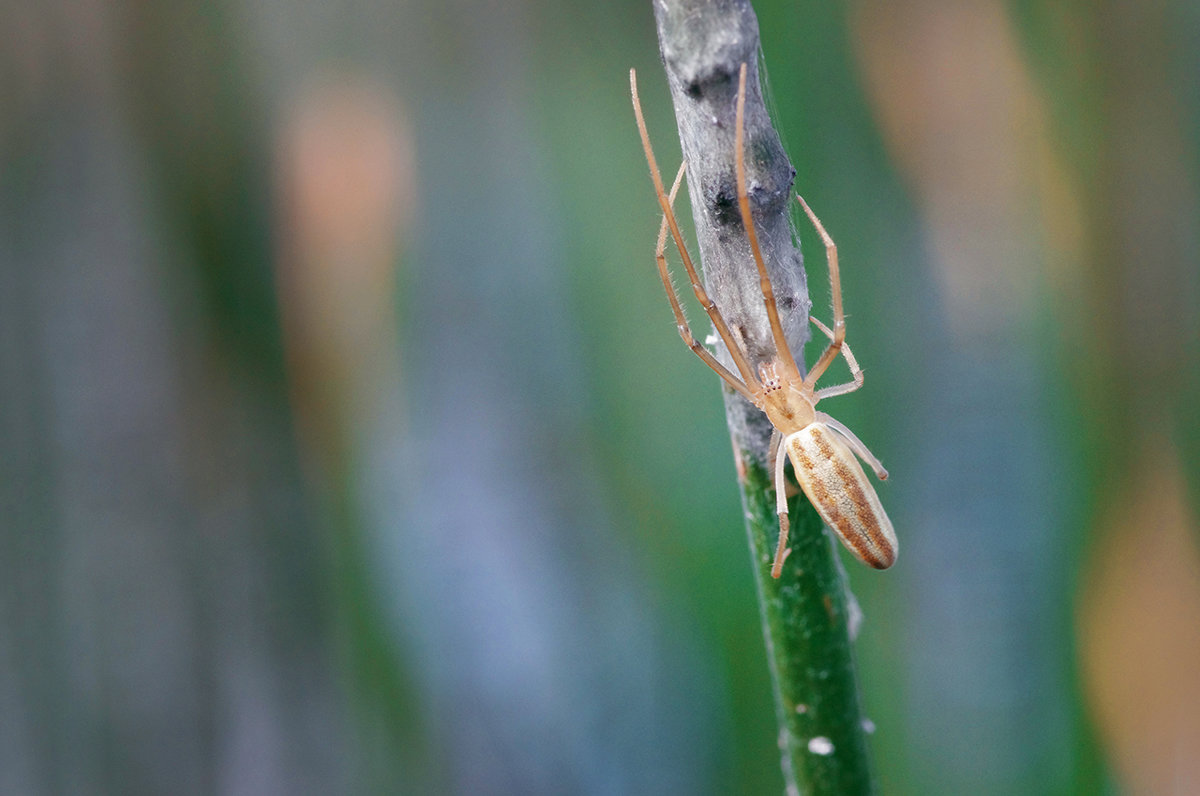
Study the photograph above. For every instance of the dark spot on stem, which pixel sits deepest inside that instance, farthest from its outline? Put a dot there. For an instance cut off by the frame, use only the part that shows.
(724, 205)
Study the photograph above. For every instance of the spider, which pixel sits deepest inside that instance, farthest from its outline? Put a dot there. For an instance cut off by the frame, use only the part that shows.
(822, 450)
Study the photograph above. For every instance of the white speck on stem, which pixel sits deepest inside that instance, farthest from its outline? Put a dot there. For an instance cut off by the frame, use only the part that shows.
(802, 708)
(820, 745)
(868, 726)
(854, 619)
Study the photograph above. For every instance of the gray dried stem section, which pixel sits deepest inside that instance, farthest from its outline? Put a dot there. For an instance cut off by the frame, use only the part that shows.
(704, 43)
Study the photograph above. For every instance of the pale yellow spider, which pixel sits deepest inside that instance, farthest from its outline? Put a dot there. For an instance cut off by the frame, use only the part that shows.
(821, 449)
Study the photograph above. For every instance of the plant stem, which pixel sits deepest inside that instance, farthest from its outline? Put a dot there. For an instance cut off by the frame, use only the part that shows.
(806, 623)
(806, 614)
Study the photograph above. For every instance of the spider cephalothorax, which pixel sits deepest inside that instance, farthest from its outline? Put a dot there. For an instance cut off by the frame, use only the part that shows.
(768, 374)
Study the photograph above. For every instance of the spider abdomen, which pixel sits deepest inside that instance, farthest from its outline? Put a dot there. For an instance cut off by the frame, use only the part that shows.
(838, 488)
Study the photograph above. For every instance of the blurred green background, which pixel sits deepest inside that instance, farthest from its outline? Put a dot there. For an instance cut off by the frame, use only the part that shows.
(346, 445)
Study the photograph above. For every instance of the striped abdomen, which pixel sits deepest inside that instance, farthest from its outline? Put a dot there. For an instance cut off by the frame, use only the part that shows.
(837, 486)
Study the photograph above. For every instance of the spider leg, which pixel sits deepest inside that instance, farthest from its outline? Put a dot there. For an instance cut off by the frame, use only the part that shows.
(835, 285)
(783, 352)
(781, 507)
(749, 378)
(681, 322)
(856, 445)
(855, 371)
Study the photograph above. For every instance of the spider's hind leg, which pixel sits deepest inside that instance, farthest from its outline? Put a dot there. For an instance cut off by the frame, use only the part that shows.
(779, 451)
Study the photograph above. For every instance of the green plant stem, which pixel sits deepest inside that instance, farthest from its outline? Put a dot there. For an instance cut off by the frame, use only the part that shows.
(806, 623)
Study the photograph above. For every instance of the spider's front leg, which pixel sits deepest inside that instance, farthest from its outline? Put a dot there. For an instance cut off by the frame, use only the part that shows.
(855, 371)
(782, 351)
(835, 287)
(749, 381)
(681, 323)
